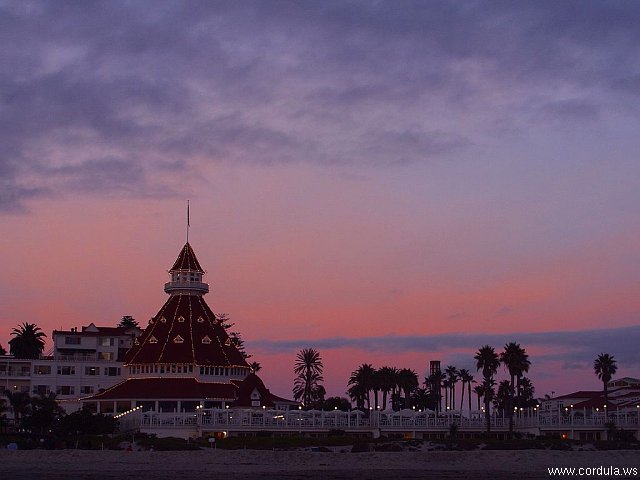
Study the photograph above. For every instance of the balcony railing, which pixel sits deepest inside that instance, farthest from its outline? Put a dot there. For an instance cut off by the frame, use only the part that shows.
(252, 419)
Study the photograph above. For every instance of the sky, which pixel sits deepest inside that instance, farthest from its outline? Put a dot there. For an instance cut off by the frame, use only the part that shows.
(390, 182)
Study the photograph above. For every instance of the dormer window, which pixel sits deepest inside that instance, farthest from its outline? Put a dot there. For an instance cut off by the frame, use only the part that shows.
(153, 339)
(181, 319)
(178, 339)
(206, 340)
(228, 342)
(163, 320)
(200, 320)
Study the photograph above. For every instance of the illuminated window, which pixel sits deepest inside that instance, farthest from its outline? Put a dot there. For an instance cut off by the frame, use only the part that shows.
(206, 340)
(181, 319)
(178, 339)
(153, 339)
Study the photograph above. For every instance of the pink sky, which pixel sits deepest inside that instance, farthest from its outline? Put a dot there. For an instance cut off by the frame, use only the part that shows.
(391, 185)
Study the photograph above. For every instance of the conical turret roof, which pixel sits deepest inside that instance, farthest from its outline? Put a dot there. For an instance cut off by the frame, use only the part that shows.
(185, 330)
(187, 260)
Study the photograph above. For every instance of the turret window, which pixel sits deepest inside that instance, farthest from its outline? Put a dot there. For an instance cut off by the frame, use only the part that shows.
(178, 339)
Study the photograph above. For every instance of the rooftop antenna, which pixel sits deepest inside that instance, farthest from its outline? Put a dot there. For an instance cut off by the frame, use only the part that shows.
(187, 221)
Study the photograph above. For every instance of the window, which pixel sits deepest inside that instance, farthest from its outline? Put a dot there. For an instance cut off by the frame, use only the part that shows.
(87, 389)
(42, 369)
(66, 370)
(178, 339)
(200, 320)
(105, 356)
(72, 340)
(41, 390)
(206, 340)
(153, 339)
(65, 390)
(112, 371)
(107, 342)
(181, 319)
(92, 370)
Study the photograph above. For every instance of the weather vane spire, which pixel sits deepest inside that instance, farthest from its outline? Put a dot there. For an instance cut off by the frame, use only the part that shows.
(187, 221)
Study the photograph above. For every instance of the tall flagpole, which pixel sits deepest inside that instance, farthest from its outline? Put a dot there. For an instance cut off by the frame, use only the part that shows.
(187, 221)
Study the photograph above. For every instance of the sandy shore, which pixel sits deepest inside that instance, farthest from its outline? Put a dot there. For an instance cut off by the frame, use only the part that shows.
(291, 465)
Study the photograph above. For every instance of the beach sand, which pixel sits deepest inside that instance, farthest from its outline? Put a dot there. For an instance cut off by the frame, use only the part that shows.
(294, 465)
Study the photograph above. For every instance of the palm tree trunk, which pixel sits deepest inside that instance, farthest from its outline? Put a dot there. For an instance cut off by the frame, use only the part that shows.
(469, 392)
(462, 397)
(453, 396)
(511, 385)
(487, 414)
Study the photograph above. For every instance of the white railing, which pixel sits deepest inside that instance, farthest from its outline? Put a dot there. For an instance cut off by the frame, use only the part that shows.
(313, 420)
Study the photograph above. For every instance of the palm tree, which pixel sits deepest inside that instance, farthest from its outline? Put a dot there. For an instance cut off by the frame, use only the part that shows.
(479, 391)
(407, 382)
(445, 386)
(605, 368)
(375, 386)
(452, 375)
(466, 378)
(516, 360)
(20, 403)
(358, 394)
(27, 341)
(526, 393)
(364, 377)
(502, 400)
(387, 381)
(255, 367)
(308, 368)
(44, 413)
(488, 361)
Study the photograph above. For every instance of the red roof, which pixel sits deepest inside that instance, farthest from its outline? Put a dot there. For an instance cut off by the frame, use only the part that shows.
(187, 260)
(580, 394)
(167, 388)
(185, 330)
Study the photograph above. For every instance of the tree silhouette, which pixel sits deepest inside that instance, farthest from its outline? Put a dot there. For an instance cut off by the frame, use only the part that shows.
(127, 322)
(27, 341)
(605, 367)
(308, 369)
(516, 360)
(362, 381)
(255, 367)
(488, 361)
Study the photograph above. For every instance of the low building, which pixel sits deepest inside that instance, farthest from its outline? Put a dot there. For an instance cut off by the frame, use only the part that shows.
(83, 362)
